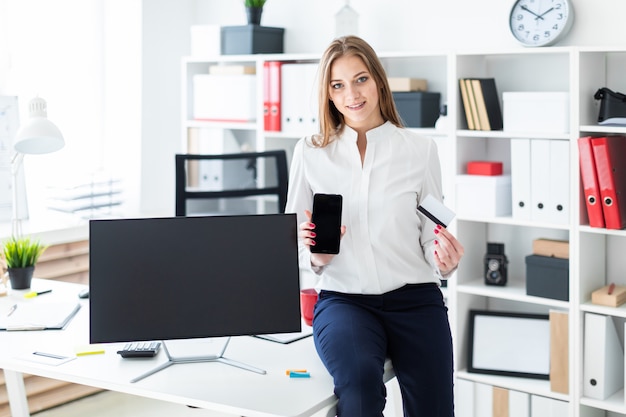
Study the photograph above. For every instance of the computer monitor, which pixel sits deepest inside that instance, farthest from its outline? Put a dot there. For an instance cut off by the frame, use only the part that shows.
(193, 277)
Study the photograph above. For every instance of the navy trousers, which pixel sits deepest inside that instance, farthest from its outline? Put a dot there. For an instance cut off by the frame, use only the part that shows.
(354, 334)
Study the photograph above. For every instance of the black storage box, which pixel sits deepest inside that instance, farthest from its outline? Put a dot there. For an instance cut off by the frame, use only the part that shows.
(417, 108)
(547, 277)
(251, 39)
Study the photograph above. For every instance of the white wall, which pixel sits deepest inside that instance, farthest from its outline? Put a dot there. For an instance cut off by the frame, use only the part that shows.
(165, 38)
(392, 25)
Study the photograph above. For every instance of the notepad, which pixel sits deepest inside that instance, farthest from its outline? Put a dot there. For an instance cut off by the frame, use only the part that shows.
(39, 316)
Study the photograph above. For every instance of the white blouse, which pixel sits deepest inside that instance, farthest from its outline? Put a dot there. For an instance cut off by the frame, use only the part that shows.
(388, 242)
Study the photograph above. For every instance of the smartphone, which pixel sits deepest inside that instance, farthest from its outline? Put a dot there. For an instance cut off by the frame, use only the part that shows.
(326, 217)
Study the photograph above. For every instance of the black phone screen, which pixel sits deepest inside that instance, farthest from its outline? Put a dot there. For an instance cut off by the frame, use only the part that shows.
(327, 219)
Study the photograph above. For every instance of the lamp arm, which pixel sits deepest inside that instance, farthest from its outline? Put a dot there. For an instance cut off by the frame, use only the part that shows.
(16, 224)
(16, 162)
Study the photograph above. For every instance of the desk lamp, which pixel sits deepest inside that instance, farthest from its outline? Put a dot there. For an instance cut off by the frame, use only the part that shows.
(37, 136)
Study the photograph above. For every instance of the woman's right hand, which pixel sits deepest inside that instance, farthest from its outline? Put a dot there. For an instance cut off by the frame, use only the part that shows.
(307, 234)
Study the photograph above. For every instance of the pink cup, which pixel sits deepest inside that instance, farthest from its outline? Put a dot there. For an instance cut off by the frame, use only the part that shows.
(308, 298)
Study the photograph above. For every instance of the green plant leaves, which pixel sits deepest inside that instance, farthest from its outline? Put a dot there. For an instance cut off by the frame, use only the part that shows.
(22, 252)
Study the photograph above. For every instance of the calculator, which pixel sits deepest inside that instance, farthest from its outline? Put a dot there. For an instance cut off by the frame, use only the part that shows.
(140, 349)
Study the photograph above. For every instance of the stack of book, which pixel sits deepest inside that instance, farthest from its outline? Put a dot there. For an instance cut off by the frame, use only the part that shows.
(481, 103)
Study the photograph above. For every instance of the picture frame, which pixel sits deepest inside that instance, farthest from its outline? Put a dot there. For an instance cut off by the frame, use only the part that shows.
(509, 344)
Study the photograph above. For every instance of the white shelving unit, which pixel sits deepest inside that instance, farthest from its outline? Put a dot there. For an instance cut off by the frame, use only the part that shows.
(596, 255)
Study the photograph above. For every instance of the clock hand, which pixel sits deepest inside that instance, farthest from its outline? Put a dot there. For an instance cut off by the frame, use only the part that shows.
(549, 10)
(531, 12)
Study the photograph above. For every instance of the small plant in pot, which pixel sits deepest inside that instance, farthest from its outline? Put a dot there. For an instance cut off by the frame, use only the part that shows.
(254, 10)
(20, 255)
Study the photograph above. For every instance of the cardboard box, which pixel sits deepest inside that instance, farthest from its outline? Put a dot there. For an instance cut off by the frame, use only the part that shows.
(400, 84)
(602, 297)
(547, 277)
(251, 39)
(549, 247)
(419, 108)
(484, 168)
(205, 40)
(536, 112)
(230, 98)
(483, 195)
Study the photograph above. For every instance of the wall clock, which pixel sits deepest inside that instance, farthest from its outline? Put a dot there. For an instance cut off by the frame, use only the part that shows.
(540, 22)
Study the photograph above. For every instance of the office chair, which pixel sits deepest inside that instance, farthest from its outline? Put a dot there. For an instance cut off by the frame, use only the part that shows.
(227, 184)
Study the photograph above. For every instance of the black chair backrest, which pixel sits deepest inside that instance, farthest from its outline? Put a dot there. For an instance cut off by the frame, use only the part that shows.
(227, 176)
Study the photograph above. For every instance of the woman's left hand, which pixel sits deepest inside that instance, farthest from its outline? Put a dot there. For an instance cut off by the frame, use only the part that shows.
(448, 250)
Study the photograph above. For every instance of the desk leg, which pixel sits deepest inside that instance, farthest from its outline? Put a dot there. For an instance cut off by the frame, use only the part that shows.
(17, 393)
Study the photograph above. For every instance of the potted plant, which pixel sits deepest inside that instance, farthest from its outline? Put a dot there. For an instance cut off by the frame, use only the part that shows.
(20, 255)
(254, 9)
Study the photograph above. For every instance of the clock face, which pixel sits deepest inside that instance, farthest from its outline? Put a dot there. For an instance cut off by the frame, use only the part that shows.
(540, 22)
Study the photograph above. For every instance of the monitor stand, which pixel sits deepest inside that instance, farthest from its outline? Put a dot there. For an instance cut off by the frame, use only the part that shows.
(217, 345)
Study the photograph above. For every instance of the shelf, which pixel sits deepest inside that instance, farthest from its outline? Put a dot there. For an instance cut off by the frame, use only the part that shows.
(514, 291)
(220, 125)
(251, 58)
(603, 129)
(614, 403)
(602, 231)
(509, 135)
(531, 386)
(513, 222)
(588, 307)
(595, 253)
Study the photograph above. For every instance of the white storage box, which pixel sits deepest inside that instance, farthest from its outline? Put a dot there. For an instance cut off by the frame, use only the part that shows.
(228, 97)
(483, 195)
(205, 40)
(535, 112)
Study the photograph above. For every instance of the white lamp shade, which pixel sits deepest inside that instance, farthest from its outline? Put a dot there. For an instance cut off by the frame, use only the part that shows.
(38, 135)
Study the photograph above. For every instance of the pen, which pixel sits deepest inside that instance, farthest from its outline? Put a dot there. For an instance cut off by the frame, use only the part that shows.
(12, 309)
(299, 375)
(289, 371)
(611, 288)
(49, 355)
(33, 294)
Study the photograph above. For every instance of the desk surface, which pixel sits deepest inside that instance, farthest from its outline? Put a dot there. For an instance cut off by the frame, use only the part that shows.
(210, 385)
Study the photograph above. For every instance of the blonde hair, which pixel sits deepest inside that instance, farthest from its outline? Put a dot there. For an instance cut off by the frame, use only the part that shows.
(331, 120)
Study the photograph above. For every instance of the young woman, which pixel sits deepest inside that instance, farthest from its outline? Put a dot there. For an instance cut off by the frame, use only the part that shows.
(379, 297)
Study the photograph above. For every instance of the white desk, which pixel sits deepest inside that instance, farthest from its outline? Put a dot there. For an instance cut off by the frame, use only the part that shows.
(213, 386)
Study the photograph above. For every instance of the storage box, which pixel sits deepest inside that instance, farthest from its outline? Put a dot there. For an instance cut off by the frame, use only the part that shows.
(549, 247)
(205, 40)
(547, 277)
(602, 297)
(483, 196)
(419, 108)
(251, 39)
(407, 84)
(226, 97)
(484, 168)
(536, 112)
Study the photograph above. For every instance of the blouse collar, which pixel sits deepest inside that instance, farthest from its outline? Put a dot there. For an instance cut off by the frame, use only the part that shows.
(376, 134)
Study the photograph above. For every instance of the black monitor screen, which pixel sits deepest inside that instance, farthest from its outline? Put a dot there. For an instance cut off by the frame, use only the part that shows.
(193, 277)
